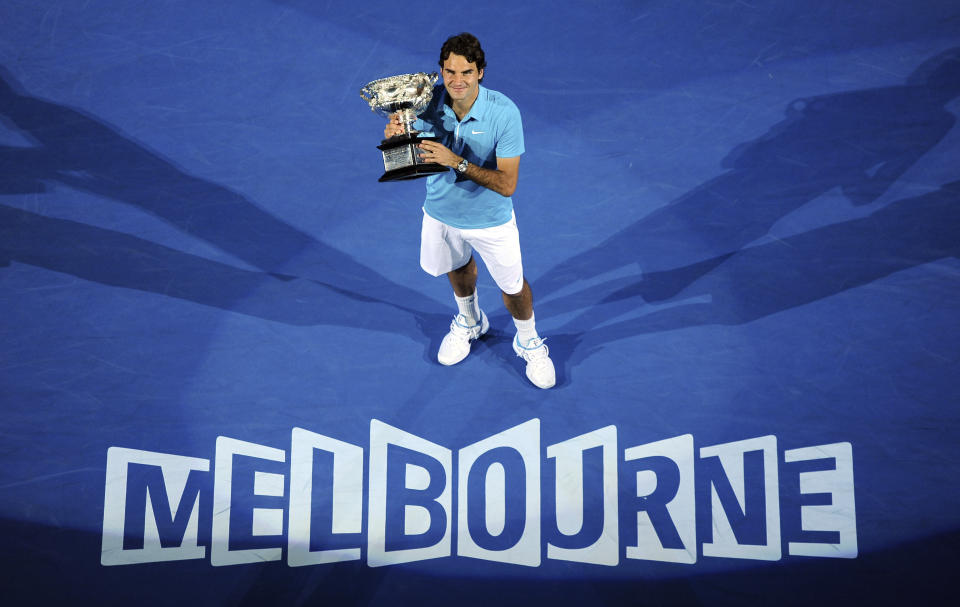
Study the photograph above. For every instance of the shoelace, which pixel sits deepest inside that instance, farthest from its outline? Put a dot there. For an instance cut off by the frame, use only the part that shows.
(462, 331)
(538, 352)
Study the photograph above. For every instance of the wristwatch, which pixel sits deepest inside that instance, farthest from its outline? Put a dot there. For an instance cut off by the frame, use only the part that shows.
(462, 166)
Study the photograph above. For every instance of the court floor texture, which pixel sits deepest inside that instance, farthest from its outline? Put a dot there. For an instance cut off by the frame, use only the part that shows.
(218, 374)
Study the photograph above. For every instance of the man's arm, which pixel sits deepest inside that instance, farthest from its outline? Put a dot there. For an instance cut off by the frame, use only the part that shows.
(502, 180)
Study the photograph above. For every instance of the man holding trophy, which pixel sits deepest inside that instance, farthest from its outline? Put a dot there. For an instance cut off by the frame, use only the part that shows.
(478, 133)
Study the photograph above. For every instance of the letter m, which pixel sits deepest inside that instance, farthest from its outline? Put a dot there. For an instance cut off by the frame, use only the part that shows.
(151, 507)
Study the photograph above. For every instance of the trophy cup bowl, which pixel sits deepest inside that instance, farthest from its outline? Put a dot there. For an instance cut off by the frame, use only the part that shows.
(407, 95)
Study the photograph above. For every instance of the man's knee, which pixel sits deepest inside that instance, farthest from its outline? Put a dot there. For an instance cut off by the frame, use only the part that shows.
(466, 270)
(522, 293)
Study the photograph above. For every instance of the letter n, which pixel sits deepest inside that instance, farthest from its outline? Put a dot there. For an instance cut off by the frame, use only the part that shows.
(745, 499)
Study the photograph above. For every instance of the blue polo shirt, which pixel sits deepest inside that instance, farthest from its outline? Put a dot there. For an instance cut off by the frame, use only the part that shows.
(492, 128)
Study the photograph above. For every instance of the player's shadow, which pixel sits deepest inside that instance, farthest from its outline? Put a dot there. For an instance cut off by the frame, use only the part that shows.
(763, 280)
(860, 141)
(77, 150)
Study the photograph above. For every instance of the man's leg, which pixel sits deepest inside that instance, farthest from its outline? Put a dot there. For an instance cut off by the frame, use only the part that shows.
(442, 248)
(527, 344)
(499, 247)
(464, 280)
(471, 323)
(464, 283)
(520, 305)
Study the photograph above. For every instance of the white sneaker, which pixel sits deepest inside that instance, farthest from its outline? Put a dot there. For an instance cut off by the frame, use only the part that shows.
(539, 366)
(456, 344)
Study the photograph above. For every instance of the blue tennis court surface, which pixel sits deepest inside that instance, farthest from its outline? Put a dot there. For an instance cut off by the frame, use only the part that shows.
(218, 378)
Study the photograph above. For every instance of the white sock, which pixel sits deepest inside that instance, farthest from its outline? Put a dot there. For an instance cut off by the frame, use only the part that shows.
(526, 330)
(470, 307)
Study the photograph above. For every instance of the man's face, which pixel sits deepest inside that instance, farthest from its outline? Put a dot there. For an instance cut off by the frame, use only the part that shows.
(461, 78)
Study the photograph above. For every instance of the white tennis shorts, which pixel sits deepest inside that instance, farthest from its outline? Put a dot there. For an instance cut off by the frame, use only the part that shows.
(444, 248)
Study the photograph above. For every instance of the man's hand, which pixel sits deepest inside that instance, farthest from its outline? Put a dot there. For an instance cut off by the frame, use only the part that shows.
(434, 151)
(394, 127)
(502, 180)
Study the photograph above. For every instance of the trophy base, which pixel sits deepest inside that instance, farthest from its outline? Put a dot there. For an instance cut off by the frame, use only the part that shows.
(402, 162)
(414, 171)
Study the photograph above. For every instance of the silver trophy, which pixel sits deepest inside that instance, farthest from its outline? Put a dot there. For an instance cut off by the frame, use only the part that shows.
(406, 95)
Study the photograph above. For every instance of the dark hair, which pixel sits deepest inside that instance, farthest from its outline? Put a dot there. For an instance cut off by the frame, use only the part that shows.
(465, 45)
